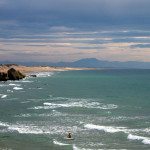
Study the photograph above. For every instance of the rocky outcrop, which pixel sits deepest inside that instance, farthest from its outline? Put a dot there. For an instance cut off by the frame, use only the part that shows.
(3, 76)
(11, 74)
(33, 75)
(14, 74)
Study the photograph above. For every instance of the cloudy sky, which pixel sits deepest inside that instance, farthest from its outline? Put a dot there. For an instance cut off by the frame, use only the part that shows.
(68, 30)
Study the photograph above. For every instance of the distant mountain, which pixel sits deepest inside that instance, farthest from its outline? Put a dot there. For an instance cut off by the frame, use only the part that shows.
(95, 63)
(90, 63)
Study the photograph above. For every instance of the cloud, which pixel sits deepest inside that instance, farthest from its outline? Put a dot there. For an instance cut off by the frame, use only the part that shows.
(60, 29)
(52, 30)
(141, 45)
(75, 13)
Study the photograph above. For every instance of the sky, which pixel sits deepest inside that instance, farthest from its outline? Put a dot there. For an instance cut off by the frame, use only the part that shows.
(69, 30)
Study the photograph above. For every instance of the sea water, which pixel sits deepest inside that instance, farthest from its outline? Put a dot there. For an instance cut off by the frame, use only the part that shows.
(103, 109)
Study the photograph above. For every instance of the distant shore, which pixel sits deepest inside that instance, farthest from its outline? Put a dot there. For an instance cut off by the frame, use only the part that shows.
(32, 69)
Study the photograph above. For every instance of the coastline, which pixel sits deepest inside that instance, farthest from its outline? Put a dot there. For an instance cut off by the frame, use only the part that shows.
(33, 69)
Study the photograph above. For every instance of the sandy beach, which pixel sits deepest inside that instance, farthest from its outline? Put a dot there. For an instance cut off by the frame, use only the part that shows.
(32, 69)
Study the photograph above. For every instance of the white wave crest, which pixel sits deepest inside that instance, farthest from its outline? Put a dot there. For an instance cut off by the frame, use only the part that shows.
(23, 115)
(82, 103)
(109, 129)
(30, 128)
(25, 129)
(26, 81)
(59, 143)
(10, 91)
(44, 74)
(145, 140)
(77, 148)
(17, 88)
(12, 84)
(2, 85)
(4, 124)
(147, 130)
(5, 149)
(3, 96)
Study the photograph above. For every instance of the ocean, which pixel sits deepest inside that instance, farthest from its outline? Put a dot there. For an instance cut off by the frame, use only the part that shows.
(103, 109)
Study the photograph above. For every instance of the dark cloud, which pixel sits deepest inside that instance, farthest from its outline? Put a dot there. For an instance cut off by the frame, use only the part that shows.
(75, 12)
(74, 27)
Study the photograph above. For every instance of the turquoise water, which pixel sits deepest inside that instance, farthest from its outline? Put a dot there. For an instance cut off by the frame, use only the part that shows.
(104, 109)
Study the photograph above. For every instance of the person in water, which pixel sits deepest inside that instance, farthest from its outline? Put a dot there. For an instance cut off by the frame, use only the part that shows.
(69, 135)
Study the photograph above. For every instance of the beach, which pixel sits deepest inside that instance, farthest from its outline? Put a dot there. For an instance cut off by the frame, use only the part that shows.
(33, 69)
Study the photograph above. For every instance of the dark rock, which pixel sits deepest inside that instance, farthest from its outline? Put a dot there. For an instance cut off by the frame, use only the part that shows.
(33, 75)
(3, 76)
(14, 74)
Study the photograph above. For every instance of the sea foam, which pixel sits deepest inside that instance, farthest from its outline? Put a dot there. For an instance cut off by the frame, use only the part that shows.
(83, 103)
(12, 84)
(25, 129)
(144, 140)
(30, 128)
(26, 81)
(77, 148)
(3, 124)
(109, 129)
(59, 143)
(44, 74)
(3, 95)
(17, 88)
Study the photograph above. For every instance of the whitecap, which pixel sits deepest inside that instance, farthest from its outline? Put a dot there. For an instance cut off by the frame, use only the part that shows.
(10, 91)
(24, 129)
(147, 130)
(2, 85)
(5, 149)
(37, 107)
(44, 74)
(109, 129)
(23, 115)
(3, 124)
(54, 113)
(77, 148)
(30, 128)
(81, 103)
(59, 143)
(17, 88)
(3, 96)
(144, 140)
(26, 81)
(25, 102)
(12, 84)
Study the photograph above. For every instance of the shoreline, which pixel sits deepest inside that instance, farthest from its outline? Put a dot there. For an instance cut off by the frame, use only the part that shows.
(34, 69)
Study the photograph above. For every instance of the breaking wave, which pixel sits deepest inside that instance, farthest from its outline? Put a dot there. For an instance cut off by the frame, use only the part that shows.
(44, 74)
(80, 103)
(3, 96)
(17, 88)
(12, 84)
(144, 140)
(30, 128)
(77, 148)
(109, 129)
(3, 124)
(59, 143)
